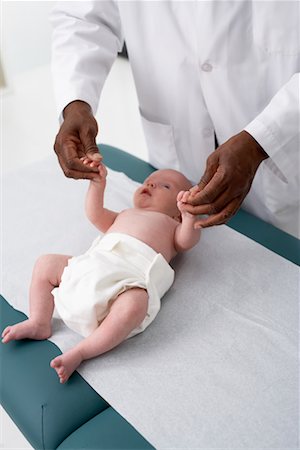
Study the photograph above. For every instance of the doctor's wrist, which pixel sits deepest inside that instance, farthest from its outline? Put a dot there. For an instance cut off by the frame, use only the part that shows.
(77, 107)
(260, 151)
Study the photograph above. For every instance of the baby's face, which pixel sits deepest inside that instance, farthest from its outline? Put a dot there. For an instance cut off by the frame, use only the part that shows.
(159, 192)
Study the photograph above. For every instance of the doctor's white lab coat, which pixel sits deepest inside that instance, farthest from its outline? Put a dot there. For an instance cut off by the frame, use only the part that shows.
(200, 67)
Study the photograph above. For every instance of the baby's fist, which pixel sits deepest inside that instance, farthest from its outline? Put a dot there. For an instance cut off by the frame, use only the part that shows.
(181, 202)
(87, 161)
(102, 171)
(102, 174)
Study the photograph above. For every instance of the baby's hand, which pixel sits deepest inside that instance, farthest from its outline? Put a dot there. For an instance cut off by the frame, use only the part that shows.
(90, 162)
(181, 202)
(194, 191)
(101, 169)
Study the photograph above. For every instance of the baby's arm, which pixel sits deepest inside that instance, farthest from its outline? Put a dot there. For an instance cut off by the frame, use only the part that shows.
(186, 236)
(101, 217)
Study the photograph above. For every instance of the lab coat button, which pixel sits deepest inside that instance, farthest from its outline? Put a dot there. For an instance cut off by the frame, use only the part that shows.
(207, 67)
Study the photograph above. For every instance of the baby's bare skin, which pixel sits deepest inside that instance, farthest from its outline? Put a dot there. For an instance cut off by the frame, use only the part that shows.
(154, 228)
(158, 218)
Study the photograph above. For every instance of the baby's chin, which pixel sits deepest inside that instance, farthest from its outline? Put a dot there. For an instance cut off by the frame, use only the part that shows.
(142, 202)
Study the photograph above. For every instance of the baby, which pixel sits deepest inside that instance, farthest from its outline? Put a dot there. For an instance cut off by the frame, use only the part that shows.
(113, 291)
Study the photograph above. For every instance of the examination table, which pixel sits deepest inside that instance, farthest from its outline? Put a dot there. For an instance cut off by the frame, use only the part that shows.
(74, 416)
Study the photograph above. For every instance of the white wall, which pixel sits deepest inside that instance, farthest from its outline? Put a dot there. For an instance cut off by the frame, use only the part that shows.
(25, 36)
(29, 121)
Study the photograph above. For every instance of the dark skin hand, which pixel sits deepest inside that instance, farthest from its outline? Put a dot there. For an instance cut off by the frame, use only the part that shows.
(229, 173)
(76, 139)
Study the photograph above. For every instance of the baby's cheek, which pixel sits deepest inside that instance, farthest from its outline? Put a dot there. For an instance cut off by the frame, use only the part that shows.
(135, 199)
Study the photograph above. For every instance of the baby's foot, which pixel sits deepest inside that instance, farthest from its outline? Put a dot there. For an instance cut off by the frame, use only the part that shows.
(66, 363)
(27, 329)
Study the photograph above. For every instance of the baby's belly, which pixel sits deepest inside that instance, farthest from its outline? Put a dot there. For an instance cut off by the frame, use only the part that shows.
(161, 240)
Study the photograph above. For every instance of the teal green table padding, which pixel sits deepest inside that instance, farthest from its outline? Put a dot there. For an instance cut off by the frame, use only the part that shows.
(44, 410)
(73, 415)
(109, 430)
(118, 160)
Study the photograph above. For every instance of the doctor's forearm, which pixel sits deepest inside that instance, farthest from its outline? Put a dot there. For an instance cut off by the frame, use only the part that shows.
(278, 124)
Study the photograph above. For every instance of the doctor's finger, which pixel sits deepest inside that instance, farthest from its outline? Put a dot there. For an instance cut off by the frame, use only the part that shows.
(68, 148)
(222, 217)
(88, 141)
(69, 159)
(216, 206)
(71, 154)
(75, 171)
(94, 155)
(212, 164)
(205, 179)
(215, 187)
(219, 204)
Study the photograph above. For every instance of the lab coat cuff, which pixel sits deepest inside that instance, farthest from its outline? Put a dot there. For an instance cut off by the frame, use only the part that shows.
(267, 140)
(63, 104)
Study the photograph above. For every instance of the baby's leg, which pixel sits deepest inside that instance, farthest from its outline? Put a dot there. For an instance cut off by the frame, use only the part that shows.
(126, 313)
(46, 275)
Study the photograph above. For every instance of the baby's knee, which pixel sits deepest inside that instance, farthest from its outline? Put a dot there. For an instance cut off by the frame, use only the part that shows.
(42, 262)
(136, 304)
(45, 266)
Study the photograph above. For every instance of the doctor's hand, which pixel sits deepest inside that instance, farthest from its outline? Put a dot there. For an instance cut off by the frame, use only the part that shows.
(229, 173)
(77, 139)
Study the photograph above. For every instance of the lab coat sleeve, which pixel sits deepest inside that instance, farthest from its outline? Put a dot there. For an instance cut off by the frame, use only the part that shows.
(87, 36)
(277, 130)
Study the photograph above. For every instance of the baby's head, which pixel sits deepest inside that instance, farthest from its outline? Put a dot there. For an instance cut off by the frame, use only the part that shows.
(159, 192)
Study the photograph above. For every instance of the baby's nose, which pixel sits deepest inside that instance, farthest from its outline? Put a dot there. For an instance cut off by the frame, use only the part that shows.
(151, 184)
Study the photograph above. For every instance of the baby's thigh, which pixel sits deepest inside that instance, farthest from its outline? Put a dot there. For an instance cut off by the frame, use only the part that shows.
(132, 303)
(50, 267)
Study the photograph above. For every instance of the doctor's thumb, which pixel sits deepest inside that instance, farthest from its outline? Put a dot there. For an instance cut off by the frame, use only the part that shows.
(90, 149)
(94, 155)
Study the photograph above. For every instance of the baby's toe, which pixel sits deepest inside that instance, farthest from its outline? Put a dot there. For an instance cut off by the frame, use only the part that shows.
(61, 371)
(5, 331)
(56, 362)
(63, 378)
(9, 335)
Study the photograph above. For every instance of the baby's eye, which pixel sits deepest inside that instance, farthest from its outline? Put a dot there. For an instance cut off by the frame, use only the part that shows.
(167, 186)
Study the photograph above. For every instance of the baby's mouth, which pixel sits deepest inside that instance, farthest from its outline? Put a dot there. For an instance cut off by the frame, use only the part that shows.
(146, 192)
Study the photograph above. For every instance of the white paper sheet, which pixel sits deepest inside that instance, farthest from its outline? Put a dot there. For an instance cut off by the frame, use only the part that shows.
(218, 367)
